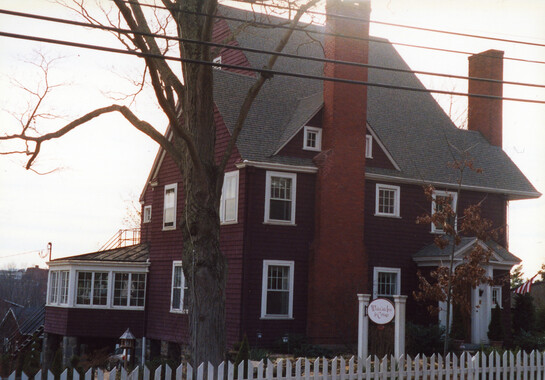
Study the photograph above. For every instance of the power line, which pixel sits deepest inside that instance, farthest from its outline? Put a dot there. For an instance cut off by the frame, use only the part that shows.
(267, 24)
(401, 25)
(281, 54)
(266, 72)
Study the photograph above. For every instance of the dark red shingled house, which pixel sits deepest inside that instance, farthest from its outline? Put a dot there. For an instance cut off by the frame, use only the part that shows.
(319, 203)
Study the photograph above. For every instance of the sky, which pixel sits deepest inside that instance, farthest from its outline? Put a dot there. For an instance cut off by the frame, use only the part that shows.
(101, 167)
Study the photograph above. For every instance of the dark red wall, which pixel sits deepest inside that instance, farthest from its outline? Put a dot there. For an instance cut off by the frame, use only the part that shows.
(104, 323)
(276, 242)
(380, 159)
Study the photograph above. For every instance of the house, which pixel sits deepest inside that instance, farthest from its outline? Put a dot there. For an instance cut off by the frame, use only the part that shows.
(319, 201)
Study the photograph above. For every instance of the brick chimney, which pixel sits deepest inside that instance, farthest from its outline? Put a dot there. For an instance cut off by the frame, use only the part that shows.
(485, 115)
(338, 264)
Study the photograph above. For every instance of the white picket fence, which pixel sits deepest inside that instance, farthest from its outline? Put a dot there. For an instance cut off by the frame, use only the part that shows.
(522, 366)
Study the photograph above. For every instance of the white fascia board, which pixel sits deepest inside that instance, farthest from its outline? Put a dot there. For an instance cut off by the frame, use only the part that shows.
(381, 145)
(99, 265)
(274, 166)
(515, 194)
(157, 162)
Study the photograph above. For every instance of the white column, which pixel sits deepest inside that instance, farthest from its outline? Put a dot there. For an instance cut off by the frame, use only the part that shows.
(475, 316)
(363, 325)
(399, 337)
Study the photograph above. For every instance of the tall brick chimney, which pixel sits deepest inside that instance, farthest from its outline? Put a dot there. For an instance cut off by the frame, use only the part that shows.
(338, 264)
(485, 115)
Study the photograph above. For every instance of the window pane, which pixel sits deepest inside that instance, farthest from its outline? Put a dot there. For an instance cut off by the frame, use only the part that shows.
(386, 201)
(387, 284)
(100, 288)
(178, 289)
(138, 289)
(63, 280)
(121, 289)
(280, 210)
(84, 288)
(53, 287)
(278, 290)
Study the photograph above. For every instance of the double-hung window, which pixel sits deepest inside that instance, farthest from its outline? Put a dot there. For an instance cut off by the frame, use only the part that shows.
(169, 209)
(229, 198)
(58, 287)
(440, 199)
(179, 295)
(129, 289)
(312, 138)
(277, 289)
(92, 288)
(280, 193)
(386, 282)
(387, 200)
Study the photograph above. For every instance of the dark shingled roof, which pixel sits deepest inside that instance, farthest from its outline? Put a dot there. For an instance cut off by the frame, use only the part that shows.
(433, 251)
(133, 253)
(413, 127)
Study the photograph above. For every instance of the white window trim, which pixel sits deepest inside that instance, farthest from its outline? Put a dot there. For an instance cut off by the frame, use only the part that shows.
(442, 193)
(181, 310)
(169, 187)
(146, 218)
(318, 132)
(368, 146)
(377, 270)
(108, 286)
(223, 220)
(293, 177)
(128, 306)
(266, 264)
(397, 201)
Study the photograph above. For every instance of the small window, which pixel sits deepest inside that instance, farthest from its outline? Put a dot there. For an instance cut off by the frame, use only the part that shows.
(92, 288)
(169, 210)
(58, 287)
(178, 303)
(280, 194)
(129, 289)
(217, 60)
(229, 198)
(386, 282)
(496, 296)
(277, 289)
(147, 214)
(439, 200)
(312, 139)
(368, 146)
(387, 200)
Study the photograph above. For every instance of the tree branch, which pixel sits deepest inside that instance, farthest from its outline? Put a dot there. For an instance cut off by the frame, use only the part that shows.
(141, 125)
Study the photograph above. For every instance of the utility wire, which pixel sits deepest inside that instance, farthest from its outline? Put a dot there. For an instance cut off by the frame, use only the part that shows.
(306, 30)
(265, 72)
(260, 51)
(352, 18)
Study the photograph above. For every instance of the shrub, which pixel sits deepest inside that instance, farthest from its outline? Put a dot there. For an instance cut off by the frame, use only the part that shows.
(529, 341)
(495, 328)
(524, 313)
(424, 339)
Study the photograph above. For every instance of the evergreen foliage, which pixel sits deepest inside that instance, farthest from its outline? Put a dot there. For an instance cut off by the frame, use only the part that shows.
(523, 313)
(495, 328)
(243, 355)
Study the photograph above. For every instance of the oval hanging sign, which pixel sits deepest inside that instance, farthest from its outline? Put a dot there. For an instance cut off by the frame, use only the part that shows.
(381, 311)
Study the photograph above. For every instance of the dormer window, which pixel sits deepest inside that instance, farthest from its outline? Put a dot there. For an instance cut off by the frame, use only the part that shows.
(312, 139)
(217, 60)
(368, 146)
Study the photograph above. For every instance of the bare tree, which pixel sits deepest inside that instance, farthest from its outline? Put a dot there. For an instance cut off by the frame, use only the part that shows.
(188, 106)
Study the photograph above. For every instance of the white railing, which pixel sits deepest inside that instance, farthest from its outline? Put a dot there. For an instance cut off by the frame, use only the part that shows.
(451, 367)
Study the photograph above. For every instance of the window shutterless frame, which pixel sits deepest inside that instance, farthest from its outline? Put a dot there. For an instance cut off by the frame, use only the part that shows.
(277, 289)
(453, 199)
(280, 196)
(312, 138)
(387, 200)
(169, 206)
(386, 281)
